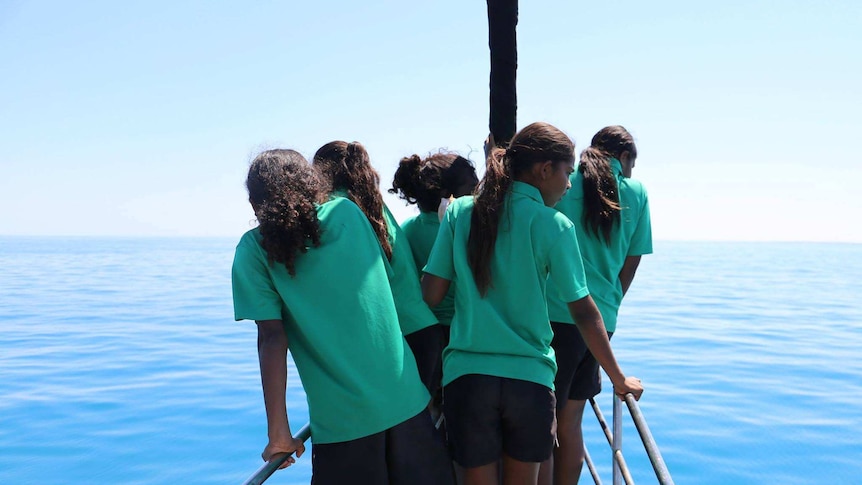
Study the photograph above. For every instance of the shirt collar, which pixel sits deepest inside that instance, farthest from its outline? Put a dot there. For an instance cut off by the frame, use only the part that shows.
(429, 216)
(338, 193)
(528, 190)
(616, 167)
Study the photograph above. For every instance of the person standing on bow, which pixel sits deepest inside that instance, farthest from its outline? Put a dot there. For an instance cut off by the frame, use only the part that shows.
(501, 247)
(610, 211)
(346, 171)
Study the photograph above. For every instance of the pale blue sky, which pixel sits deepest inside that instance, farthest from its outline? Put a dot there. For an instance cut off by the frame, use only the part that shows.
(139, 118)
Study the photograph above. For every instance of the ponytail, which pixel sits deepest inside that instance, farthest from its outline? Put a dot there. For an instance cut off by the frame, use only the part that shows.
(601, 197)
(415, 184)
(485, 220)
(284, 192)
(535, 143)
(601, 193)
(347, 166)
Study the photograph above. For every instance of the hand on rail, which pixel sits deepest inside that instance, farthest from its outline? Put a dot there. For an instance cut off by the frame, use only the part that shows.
(630, 385)
(290, 445)
(490, 144)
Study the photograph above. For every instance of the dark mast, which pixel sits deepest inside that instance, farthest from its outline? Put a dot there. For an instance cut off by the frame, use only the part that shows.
(502, 21)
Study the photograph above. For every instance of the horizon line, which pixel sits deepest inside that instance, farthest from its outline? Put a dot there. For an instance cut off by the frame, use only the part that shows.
(236, 237)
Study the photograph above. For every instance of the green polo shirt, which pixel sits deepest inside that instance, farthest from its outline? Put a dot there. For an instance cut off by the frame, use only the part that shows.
(603, 263)
(507, 333)
(413, 312)
(421, 231)
(359, 375)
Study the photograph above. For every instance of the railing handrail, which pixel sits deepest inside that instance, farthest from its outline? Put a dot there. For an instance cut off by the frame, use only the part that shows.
(619, 460)
(268, 468)
(658, 465)
(652, 450)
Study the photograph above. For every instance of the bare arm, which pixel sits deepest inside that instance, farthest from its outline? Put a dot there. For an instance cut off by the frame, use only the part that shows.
(272, 354)
(434, 289)
(627, 274)
(592, 328)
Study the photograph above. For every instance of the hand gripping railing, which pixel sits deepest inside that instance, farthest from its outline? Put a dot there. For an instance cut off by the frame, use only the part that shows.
(615, 438)
(272, 465)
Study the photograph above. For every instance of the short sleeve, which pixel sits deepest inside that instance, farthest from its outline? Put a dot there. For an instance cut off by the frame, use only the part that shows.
(441, 261)
(566, 268)
(254, 295)
(641, 242)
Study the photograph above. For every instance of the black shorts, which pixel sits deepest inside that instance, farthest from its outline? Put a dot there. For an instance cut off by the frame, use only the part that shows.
(578, 376)
(427, 347)
(409, 453)
(487, 416)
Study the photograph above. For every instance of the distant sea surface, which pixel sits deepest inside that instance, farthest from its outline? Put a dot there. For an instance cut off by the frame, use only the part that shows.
(120, 362)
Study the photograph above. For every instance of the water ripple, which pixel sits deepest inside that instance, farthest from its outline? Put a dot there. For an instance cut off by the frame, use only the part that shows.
(121, 361)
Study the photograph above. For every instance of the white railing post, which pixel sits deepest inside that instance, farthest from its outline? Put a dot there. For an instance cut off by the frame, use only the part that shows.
(617, 446)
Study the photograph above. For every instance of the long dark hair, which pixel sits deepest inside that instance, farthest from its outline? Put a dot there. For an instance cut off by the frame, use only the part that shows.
(535, 143)
(284, 192)
(347, 166)
(601, 195)
(439, 175)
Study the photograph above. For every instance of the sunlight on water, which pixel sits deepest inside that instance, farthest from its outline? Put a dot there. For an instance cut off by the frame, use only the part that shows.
(121, 363)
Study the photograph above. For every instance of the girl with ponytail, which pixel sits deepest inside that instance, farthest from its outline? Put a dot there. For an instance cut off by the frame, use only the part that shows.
(501, 247)
(345, 170)
(361, 383)
(611, 215)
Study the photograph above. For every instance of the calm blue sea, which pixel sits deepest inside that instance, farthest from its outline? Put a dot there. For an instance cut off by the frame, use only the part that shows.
(120, 363)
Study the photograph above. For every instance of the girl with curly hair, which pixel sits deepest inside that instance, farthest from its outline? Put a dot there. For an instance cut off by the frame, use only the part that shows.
(314, 279)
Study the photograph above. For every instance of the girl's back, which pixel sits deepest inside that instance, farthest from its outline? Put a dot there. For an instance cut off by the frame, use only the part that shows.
(340, 319)
(634, 217)
(421, 231)
(505, 332)
(629, 234)
(346, 170)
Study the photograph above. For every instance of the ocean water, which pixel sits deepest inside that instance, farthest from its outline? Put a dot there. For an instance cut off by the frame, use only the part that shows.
(120, 363)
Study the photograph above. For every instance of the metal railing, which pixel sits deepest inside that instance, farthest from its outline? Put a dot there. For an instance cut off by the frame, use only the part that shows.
(615, 440)
(272, 465)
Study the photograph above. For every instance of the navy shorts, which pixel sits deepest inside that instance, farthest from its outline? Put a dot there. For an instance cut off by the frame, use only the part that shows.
(409, 453)
(487, 416)
(578, 376)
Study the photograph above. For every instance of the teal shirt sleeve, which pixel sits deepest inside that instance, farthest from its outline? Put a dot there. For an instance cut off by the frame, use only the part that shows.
(566, 268)
(254, 295)
(440, 261)
(641, 242)
(413, 312)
